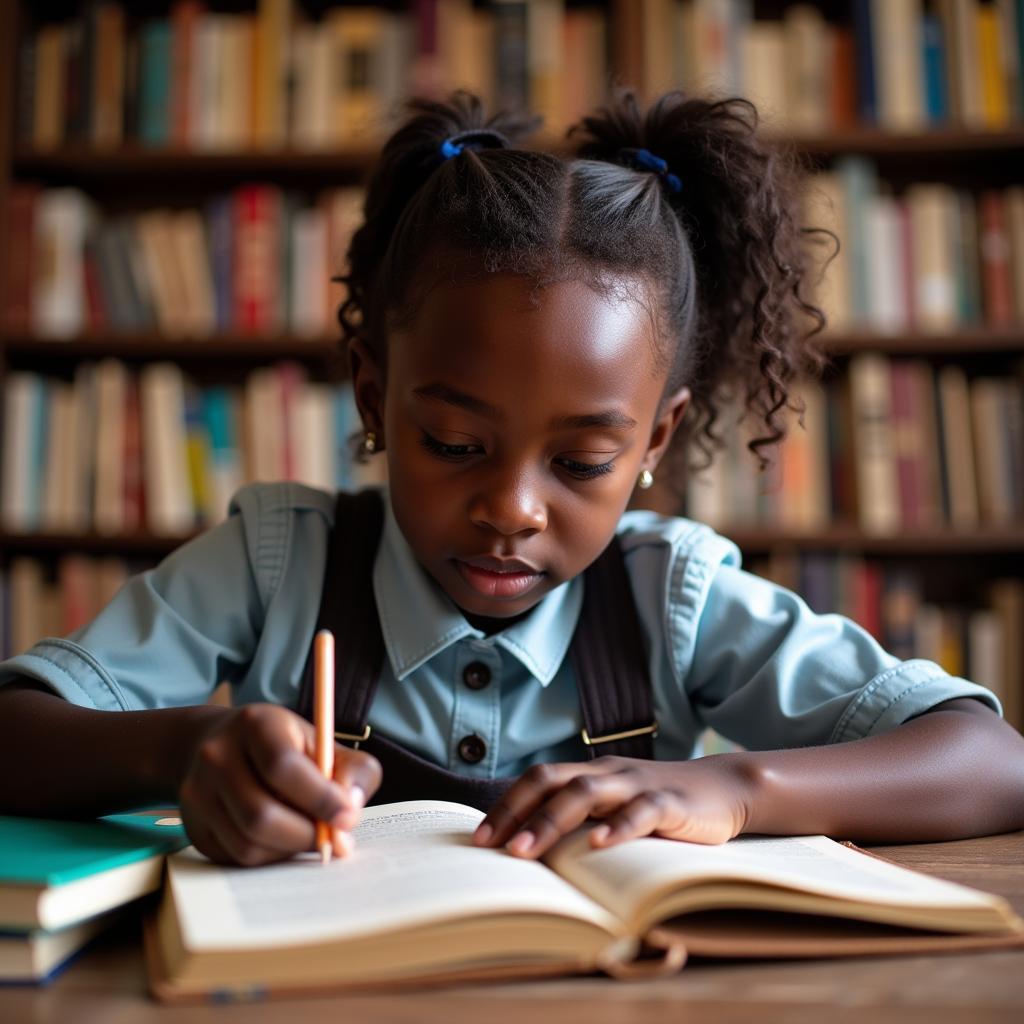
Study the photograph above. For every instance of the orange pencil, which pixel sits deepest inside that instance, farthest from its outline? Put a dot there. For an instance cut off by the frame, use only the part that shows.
(323, 720)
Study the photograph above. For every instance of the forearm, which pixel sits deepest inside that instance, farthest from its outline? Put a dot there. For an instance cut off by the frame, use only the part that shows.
(61, 760)
(951, 773)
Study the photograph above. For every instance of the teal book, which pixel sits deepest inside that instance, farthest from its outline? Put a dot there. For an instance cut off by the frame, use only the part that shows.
(155, 83)
(54, 874)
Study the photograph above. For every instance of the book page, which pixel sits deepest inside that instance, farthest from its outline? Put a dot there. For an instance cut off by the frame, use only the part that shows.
(413, 863)
(625, 878)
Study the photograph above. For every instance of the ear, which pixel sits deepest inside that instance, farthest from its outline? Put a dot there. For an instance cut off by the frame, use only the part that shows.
(367, 387)
(665, 425)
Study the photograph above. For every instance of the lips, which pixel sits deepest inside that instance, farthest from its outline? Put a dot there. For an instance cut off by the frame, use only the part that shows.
(496, 577)
(503, 565)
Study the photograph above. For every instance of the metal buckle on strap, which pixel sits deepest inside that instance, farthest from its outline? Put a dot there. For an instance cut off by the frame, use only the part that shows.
(354, 739)
(644, 730)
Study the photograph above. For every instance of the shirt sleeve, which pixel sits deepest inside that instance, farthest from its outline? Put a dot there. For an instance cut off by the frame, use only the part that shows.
(765, 671)
(170, 635)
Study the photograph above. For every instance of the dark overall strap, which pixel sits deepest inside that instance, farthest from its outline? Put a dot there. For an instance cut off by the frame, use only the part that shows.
(348, 607)
(609, 661)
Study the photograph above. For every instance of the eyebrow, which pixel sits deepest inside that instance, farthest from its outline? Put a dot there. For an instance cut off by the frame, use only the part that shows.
(443, 393)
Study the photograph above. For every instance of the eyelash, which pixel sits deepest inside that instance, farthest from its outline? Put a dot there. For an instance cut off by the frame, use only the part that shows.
(457, 452)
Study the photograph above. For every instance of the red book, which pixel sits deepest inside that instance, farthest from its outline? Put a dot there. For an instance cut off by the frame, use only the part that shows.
(95, 306)
(868, 584)
(21, 206)
(77, 602)
(257, 259)
(844, 78)
(185, 15)
(995, 260)
(427, 73)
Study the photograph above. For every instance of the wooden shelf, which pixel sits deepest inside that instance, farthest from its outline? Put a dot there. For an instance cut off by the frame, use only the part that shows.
(877, 142)
(965, 340)
(89, 162)
(148, 346)
(1002, 539)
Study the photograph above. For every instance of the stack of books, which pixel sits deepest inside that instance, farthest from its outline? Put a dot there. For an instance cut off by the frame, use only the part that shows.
(63, 882)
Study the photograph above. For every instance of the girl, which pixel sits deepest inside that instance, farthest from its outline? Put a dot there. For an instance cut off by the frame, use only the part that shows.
(526, 335)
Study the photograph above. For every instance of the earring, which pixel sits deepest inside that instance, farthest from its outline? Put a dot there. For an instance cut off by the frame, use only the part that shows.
(645, 479)
(367, 446)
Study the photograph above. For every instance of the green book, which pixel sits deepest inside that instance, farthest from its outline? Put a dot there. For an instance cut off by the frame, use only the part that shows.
(57, 873)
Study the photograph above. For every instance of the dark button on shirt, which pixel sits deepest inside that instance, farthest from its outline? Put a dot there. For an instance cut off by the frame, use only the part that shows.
(476, 675)
(472, 749)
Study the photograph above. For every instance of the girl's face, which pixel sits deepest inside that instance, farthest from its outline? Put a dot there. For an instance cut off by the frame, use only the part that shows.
(515, 423)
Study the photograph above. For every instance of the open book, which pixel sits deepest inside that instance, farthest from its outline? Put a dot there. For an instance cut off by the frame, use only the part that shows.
(417, 902)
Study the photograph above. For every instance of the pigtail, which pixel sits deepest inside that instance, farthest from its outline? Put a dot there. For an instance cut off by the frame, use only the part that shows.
(410, 158)
(735, 196)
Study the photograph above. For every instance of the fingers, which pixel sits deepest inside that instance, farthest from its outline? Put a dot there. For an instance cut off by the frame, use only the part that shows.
(646, 813)
(277, 747)
(548, 802)
(253, 795)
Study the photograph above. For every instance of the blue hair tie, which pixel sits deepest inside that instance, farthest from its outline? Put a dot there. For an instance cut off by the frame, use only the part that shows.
(450, 149)
(474, 138)
(646, 159)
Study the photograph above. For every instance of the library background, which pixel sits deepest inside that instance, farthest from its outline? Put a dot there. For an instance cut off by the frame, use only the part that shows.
(178, 182)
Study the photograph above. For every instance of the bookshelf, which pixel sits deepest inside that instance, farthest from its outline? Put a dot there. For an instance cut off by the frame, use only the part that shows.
(970, 149)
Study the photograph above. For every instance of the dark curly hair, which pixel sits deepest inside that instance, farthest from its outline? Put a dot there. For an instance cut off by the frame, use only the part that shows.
(723, 259)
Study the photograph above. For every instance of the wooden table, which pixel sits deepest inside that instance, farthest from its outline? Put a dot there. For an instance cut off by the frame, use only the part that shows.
(108, 986)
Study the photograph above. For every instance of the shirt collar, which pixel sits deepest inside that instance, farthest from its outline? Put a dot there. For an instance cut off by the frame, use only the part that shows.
(418, 620)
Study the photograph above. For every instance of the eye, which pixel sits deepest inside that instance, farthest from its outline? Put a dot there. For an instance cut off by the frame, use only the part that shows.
(586, 470)
(453, 452)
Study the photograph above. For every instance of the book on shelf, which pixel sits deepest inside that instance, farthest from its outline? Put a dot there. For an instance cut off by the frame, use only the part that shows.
(117, 450)
(61, 883)
(40, 599)
(257, 261)
(894, 443)
(417, 902)
(270, 76)
(931, 259)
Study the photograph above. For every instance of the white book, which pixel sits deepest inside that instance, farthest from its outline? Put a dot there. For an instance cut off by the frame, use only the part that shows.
(887, 309)
(169, 503)
(309, 273)
(264, 426)
(64, 217)
(898, 49)
(314, 436)
(311, 110)
(932, 210)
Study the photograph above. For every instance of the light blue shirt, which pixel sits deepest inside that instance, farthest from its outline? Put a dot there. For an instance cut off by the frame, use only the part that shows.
(725, 648)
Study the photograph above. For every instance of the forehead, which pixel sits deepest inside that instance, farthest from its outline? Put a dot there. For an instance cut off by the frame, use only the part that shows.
(503, 336)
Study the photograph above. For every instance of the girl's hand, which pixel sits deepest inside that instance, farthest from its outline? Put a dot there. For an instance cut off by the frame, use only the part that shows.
(252, 794)
(706, 800)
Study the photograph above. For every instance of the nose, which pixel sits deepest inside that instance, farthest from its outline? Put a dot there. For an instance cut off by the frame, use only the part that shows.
(509, 504)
